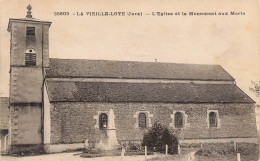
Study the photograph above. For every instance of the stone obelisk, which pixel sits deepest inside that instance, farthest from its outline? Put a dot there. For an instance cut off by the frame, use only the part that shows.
(112, 142)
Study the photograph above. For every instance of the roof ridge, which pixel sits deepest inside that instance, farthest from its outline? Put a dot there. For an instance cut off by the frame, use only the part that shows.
(136, 61)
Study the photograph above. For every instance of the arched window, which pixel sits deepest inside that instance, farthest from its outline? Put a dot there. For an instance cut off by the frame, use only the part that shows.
(103, 121)
(178, 120)
(212, 119)
(30, 57)
(142, 120)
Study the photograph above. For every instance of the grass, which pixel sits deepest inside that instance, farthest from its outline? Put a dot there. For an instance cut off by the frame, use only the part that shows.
(217, 158)
(103, 153)
(202, 158)
(227, 152)
(209, 152)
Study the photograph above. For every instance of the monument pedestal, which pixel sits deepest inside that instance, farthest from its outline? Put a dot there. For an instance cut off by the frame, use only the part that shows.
(110, 142)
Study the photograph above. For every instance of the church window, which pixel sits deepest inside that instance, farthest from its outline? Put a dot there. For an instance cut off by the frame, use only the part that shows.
(212, 119)
(30, 31)
(142, 120)
(103, 121)
(30, 57)
(178, 120)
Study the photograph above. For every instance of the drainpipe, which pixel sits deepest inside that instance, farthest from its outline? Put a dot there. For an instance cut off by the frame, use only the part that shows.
(43, 79)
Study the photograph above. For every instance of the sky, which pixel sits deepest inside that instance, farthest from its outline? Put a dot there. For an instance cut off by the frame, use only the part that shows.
(230, 41)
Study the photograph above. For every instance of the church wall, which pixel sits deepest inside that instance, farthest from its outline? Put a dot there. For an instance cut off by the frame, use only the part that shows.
(74, 122)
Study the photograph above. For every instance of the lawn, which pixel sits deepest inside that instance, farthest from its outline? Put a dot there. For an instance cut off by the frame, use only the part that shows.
(218, 158)
(201, 158)
(117, 152)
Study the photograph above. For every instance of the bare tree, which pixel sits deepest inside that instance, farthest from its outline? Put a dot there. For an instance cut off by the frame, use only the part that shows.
(255, 88)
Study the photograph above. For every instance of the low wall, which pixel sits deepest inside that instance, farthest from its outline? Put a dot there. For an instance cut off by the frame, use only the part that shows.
(220, 140)
(24, 149)
(55, 148)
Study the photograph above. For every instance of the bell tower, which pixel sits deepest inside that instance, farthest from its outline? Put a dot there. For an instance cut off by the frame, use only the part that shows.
(29, 56)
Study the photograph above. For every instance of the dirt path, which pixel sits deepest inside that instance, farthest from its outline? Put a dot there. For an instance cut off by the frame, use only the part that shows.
(74, 156)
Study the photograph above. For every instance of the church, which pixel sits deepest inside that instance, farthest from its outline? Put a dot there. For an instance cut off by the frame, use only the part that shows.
(56, 104)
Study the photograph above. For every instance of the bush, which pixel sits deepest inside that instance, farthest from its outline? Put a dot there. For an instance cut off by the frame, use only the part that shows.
(217, 149)
(91, 150)
(158, 136)
(130, 146)
(247, 148)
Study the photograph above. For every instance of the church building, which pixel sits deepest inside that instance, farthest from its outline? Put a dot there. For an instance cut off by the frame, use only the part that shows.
(56, 104)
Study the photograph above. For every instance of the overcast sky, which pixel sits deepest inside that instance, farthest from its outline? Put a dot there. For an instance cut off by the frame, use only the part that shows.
(230, 41)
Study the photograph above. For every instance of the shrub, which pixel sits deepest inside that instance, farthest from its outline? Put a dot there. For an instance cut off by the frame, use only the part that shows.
(247, 148)
(158, 136)
(91, 150)
(133, 146)
(130, 146)
(216, 149)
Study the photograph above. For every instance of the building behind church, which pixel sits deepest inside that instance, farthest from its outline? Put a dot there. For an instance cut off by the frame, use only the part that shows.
(56, 104)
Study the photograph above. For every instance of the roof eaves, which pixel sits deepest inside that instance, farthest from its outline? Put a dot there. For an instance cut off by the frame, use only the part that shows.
(191, 79)
(166, 102)
(26, 20)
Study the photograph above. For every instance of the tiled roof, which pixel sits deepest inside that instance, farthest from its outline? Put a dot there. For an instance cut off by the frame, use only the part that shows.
(4, 112)
(145, 92)
(79, 68)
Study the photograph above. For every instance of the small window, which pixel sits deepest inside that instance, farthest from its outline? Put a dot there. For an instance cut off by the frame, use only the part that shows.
(30, 57)
(30, 31)
(103, 121)
(212, 119)
(178, 120)
(142, 120)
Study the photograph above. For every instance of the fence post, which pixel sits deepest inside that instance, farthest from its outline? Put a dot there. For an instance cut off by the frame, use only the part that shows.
(238, 157)
(179, 149)
(200, 145)
(145, 152)
(122, 154)
(188, 157)
(235, 145)
(166, 148)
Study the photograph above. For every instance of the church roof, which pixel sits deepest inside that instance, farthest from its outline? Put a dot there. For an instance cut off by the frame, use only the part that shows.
(72, 91)
(79, 68)
(4, 112)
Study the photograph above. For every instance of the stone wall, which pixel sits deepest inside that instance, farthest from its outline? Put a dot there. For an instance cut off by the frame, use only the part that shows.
(26, 124)
(27, 87)
(74, 122)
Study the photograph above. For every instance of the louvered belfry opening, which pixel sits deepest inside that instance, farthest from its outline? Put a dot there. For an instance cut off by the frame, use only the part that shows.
(30, 57)
(30, 31)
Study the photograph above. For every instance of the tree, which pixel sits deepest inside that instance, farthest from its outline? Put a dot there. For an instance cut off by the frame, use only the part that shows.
(255, 89)
(158, 136)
